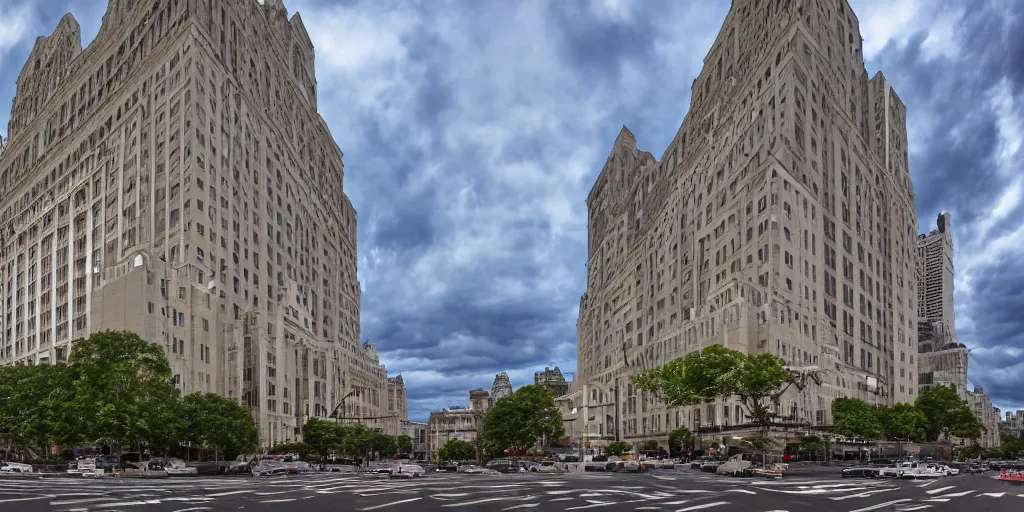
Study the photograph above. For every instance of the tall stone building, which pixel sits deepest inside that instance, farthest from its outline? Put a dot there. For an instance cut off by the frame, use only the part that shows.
(935, 274)
(780, 219)
(175, 179)
(988, 415)
(398, 406)
(501, 387)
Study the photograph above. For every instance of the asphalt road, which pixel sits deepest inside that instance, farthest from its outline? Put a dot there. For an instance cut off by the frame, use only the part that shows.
(681, 490)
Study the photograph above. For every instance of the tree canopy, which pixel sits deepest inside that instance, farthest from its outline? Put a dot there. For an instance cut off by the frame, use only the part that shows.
(404, 444)
(456, 450)
(717, 372)
(947, 414)
(116, 388)
(852, 417)
(521, 420)
(220, 424)
(679, 438)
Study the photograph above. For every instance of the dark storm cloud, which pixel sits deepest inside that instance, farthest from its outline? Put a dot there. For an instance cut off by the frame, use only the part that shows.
(964, 110)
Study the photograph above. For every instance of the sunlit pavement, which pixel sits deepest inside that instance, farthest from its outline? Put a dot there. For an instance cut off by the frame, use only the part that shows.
(679, 490)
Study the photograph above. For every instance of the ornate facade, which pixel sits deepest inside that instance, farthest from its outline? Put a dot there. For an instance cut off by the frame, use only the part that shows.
(501, 387)
(780, 219)
(175, 179)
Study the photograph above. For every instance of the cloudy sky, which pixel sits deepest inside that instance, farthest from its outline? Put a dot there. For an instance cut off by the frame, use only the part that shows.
(473, 130)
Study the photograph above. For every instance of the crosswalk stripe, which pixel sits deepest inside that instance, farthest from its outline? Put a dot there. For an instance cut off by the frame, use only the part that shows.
(940, 489)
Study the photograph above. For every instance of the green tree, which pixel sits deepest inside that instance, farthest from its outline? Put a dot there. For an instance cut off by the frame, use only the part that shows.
(812, 444)
(122, 389)
(717, 372)
(404, 444)
(357, 440)
(617, 448)
(902, 421)
(322, 437)
(219, 424)
(34, 405)
(680, 438)
(947, 415)
(301, 448)
(456, 450)
(649, 446)
(852, 417)
(384, 444)
(522, 419)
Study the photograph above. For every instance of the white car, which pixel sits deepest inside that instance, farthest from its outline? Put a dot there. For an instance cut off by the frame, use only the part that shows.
(177, 467)
(948, 471)
(403, 470)
(144, 469)
(15, 467)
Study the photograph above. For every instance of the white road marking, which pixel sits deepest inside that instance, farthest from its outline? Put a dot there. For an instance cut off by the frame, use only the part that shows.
(882, 505)
(941, 489)
(703, 506)
(124, 504)
(744, 491)
(229, 493)
(468, 503)
(594, 505)
(283, 500)
(524, 505)
(399, 502)
(993, 494)
(917, 507)
(926, 484)
(865, 494)
(79, 502)
(193, 509)
(957, 494)
(562, 499)
(30, 498)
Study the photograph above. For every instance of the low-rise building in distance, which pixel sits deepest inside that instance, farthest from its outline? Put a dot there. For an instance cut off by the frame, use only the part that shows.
(552, 379)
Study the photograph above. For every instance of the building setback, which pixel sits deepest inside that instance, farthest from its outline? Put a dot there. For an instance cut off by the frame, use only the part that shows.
(175, 179)
(780, 219)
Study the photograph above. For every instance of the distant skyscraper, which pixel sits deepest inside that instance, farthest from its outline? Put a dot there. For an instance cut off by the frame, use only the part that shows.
(935, 274)
(779, 220)
(175, 179)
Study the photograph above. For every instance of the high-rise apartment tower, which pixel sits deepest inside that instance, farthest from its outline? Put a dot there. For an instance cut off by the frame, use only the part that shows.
(780, 219)
(174, 179)
(935, 274)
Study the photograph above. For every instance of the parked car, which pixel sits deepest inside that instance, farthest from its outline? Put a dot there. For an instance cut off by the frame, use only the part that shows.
(272, 467)
(861, 472)
(177, 467)
(406, 470)
(15, 467)
(85, 466)
(539, 467)
(144, 469)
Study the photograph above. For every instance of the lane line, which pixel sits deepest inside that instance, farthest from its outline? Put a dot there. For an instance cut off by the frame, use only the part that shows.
(468, 503)
(865, 494)
(703, 506)
(882, 505)
(525, 505)
(399, 502)
(283, 500)
(941, 489)
(993, 494)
